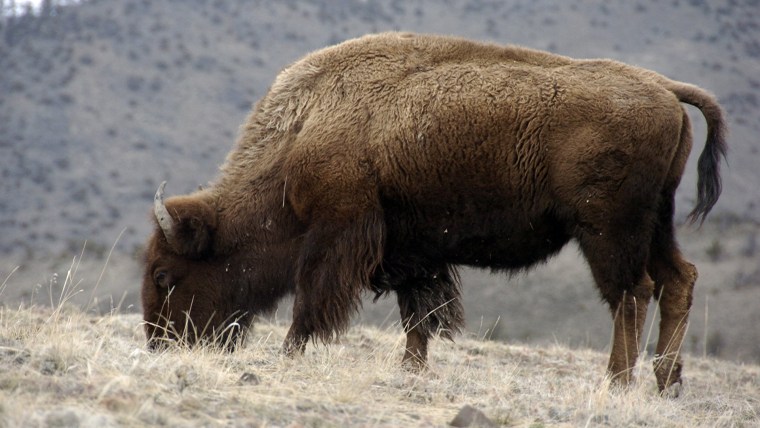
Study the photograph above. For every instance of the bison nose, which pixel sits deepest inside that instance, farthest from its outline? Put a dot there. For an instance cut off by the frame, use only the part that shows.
(155, 345)
(157, 340)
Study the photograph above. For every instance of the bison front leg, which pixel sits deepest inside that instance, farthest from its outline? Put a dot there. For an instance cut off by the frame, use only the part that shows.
(295, 342)
(334, 266)
(299, 333)
(415, 353)
(428, 306)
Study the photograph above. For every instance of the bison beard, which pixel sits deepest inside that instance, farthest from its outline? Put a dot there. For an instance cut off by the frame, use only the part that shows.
(380, 164)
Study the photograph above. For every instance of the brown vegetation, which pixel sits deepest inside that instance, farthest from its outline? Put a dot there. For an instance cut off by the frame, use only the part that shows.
(62, 367)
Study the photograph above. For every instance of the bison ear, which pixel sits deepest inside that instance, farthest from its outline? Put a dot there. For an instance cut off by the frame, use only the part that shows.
(187, 222)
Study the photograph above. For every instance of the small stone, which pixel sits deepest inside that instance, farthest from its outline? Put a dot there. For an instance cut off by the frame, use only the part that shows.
(249, 379)
(469, 416)
(12, 350)
(185, 377)
(49, 366)
(62, 418)
(22, 357)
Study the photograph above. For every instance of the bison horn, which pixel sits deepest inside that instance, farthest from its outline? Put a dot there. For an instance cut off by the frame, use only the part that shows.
(163, 218)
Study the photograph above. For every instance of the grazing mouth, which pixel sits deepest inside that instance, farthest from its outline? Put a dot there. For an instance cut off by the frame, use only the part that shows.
(227, 337)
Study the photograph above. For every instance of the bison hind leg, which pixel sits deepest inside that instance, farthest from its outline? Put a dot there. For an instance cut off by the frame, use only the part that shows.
(336, 262)
(617, 254)
(429, 305)
(674, 277)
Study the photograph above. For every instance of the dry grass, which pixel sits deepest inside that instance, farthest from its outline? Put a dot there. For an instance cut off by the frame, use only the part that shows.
(63, 367)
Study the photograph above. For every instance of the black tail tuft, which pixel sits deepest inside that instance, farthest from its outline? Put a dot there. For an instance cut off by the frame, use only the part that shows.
(709, 184)
(708, 168)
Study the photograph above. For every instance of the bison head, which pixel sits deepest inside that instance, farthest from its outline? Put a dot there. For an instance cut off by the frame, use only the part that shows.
(186, 290)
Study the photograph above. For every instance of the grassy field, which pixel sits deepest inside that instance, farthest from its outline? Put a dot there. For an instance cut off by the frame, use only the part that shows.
(64, 367)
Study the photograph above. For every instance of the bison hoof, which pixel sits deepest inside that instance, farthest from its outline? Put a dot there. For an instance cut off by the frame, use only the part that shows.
(293, 348)
(668, 374)
(621, 381)
(413, 366)
(413, 363)
(672, 391)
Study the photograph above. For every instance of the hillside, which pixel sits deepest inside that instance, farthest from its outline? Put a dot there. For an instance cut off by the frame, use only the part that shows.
(106, 99)
(65, 368)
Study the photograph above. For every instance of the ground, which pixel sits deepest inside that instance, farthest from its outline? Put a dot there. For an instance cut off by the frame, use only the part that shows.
(63, 367)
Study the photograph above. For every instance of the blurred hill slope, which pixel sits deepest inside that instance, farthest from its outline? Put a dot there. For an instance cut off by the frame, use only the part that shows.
(106, 99)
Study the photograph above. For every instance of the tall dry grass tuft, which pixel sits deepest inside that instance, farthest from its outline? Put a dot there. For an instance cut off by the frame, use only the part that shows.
(65, 366)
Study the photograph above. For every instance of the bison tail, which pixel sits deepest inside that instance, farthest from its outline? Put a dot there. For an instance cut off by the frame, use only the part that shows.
(708, 167)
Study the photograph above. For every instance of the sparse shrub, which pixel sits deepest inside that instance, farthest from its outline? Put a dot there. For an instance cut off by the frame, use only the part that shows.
(715, 343)
(69, 76)
(62, 163)
(155, 85)
(715, 251)
(65, 99)
(747, 279)
(750, 247)
(752, 49)
(135, 83)
(17, 87)
(86, 59)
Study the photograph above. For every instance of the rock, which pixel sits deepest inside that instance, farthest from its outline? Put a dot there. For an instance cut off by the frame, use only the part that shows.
(62, 418)
(185, 377)
(469, 416)
(249, 379)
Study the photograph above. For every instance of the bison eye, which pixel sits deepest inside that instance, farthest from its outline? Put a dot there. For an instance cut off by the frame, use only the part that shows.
(161, 279)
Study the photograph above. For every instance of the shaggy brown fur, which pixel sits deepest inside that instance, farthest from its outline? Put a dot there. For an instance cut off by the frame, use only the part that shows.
(382, 163)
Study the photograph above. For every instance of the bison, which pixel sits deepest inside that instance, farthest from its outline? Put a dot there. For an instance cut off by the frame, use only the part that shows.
(383, 163)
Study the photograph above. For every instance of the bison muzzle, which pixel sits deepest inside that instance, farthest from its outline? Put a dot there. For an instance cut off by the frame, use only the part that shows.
(382, 163)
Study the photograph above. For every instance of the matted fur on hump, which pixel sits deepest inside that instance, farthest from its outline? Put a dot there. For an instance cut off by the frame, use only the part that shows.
(291, 95)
